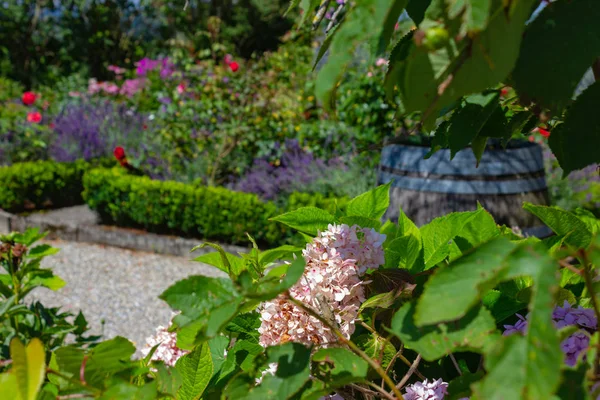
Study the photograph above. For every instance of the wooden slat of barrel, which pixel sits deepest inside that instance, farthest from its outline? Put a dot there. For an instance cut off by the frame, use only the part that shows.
(428, 188)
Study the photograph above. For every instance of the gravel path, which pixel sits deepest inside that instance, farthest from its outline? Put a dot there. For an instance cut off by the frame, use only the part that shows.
(119, 287)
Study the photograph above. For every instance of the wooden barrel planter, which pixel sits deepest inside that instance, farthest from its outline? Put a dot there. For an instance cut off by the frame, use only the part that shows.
(429, 188)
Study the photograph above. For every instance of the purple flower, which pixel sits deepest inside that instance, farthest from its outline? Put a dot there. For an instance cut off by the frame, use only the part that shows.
(436, 390)
(577, 343)
(145, 65)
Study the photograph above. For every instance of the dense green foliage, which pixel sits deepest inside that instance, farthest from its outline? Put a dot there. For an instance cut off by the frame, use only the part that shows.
(213, 213)
(480, 272)
(40, 41)
(44, 184)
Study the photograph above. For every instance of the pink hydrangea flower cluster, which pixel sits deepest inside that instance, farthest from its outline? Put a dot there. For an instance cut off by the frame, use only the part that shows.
(563, 316)
(331, 283)
(434, 390)
(167, 351)
(107, 87)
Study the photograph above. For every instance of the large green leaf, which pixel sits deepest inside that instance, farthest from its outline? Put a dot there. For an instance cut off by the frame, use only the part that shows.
(282, 252)
(576, 142)
(9, 386)
(473, 332)
(273, 284)
(461, 285)
(365, 22)
(28, 366)
(215, 259)
(347, 366)
(372, 204)
(309, 220)
(416, 10)
(563, 223)
(101, 362)
(196, 369)
(468, 120)
(431, 80)
(531, 363)
(126, 391)
(561, 42)
(437, 234)
(206, 305)
(475, 14)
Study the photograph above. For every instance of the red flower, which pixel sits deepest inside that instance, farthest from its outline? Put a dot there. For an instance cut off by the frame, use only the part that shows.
(51, 125)
(28, 98)
(504, 92)
(34, 117)
(234, 66)
(119, 153)
(544, 132)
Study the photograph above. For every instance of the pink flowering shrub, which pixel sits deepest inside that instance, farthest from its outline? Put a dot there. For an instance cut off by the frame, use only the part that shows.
(167, 350)
(335, 261)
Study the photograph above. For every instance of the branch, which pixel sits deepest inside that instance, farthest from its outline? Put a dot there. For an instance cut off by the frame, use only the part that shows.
(411, 370)
(350, 344)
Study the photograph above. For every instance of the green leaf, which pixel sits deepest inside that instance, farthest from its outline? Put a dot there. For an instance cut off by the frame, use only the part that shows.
(309, 220)
(407, 227)
(475, 14)
(377, 347)
(396, 64)
(438, 233)
(293, 372)
(206, 305)
(42, 251)
(363, 23)
(372, 204)
(460, 285)
(326, 43)
(126, 391)
(416, 10)
(215, 259)
(563, 27)
(104, 360)
(196, 369)
(9, 386)
(47, 279)
(573, 385)
(473, 332)
(404, 252)
(271, 285)
(532, 362)
(363, 222)
(562, 223)
(347, 366)
(393, 13)
(28, 366)
(278, 253)
(478, 146)
(246, 324)
(501, 306)
(575, 142)
(431, 80)
(468, 120)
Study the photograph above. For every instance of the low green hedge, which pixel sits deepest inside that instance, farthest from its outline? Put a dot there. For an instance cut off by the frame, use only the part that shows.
(212, 213)
(39, 185)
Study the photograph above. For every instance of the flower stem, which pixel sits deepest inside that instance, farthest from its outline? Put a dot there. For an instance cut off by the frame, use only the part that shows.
(351, 345)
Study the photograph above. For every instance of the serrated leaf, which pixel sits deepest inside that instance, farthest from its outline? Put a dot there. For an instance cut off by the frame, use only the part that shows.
(372, 204)
(377, 347)
(272, 284)
(575, 143)
(396, 64)
(460, 285)
(347, 366)
(532, 362)
(28, 366)
(309, 220)
(562, 26)
(437, 234)
(196, 369)
(42, 251)
(215, 259)
(206, 305)
(501, 306)
(473, 332)
(393, 13)
(363, 222)
(562, 223)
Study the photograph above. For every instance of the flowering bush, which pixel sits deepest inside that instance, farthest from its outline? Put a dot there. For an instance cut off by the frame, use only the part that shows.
(359, 304)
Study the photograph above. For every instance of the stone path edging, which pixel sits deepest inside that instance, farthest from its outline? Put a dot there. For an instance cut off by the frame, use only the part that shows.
(86, 229)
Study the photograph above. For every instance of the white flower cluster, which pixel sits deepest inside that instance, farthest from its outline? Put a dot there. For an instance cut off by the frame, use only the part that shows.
(167, 351)
(335, 261)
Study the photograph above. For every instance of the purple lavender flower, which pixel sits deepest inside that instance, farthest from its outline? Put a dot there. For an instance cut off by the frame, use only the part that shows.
(577, 343)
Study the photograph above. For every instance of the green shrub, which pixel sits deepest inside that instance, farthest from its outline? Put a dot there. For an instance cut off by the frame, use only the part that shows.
(212, 213)
(38, 185)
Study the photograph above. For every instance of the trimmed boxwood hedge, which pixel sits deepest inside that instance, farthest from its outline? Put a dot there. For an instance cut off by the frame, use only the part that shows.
(213, 213)
(39, 185)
